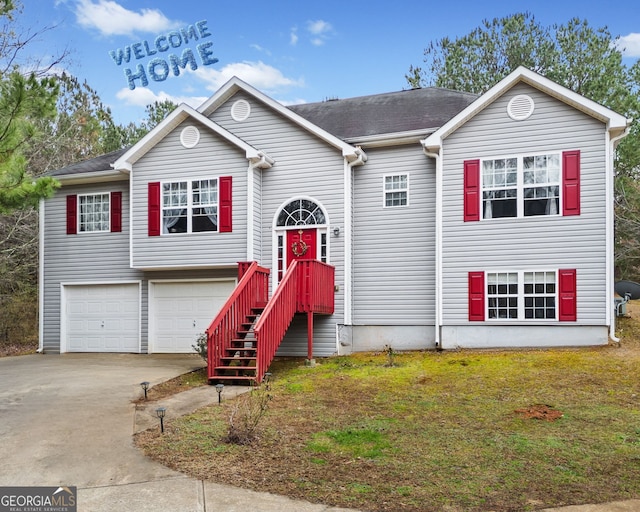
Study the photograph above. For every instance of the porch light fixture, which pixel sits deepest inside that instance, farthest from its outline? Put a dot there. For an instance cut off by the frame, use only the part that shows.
(219, 388)
(145, 386)
(336, 231)
(160, 412)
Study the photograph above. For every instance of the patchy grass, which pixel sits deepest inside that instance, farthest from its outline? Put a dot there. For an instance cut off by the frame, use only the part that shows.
(436, 431)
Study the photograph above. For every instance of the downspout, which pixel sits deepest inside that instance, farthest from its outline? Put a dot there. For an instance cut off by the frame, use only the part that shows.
(41, 278)
(258, 161)
(438, 283)
(250, 216)
(360, 159)
(611, 227)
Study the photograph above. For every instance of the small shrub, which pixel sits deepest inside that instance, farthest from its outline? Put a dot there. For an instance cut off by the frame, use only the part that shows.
(246, 414)
(201, 346)
(388, 350)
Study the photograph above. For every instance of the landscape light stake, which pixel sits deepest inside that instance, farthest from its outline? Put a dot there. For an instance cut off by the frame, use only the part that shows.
(160, 412)
(219, 388)
(145, 386)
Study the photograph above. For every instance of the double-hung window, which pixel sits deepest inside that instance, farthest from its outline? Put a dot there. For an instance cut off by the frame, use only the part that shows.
(523, 295)
(93, 213)
(521, 187)
(396, 190)
(190, 206)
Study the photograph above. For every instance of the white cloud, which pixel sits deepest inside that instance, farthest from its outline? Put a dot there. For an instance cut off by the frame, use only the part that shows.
(110, 18)
(319, 27)
(260, 49)
(142, 96)
(258, 74)
(320, 31)
(293, 37)
(630, 45)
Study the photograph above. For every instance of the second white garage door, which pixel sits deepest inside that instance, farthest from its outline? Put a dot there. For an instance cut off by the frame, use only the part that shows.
(180, 311)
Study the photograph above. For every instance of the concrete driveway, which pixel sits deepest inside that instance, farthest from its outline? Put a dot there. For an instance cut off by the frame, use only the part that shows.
(68, 420)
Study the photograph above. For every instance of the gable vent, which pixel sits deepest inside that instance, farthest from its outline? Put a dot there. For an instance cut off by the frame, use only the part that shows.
(240, 110)
(520, 107)
(189, 137)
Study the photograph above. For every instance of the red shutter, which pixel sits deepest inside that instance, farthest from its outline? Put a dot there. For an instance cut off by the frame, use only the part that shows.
(226, 206)
(571, 183)
(567, 295)
(476, 296)
(154, 209)
(116, 212)
(471, 190)
(72, 214)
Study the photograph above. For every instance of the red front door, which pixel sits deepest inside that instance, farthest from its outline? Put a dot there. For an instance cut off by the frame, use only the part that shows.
(301, 245)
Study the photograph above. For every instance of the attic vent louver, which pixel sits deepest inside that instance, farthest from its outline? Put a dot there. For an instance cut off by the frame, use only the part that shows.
(240, 110)
(520, 107)
(189, 137)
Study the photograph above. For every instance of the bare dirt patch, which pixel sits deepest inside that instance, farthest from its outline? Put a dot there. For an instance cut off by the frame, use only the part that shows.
(539, 412)
(176, 385)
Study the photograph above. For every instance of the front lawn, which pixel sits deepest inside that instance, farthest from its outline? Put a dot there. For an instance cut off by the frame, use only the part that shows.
(441, 431)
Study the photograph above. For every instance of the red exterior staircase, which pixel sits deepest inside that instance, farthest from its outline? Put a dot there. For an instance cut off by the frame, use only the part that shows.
(245, 335)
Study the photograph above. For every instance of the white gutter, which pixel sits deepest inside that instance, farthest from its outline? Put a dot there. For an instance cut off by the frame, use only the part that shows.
(391, 139)
(610, 229)
(41, 277)
(438, 283)
(360, 159)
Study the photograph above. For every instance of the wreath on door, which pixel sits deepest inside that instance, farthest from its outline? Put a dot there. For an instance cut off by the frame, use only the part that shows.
(299, 248)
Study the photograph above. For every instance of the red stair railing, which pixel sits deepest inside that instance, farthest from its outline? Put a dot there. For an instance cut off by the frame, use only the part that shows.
(275, 320)
(251, 292)
(307, 287)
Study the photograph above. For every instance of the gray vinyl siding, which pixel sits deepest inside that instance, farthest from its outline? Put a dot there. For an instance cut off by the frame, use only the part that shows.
(394, 247)
(530, 243)
(170, 161)
(83, 258)
(305, 166)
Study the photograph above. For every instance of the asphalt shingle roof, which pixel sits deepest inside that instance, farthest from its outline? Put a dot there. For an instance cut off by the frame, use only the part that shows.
(394, 112)
(99, 163)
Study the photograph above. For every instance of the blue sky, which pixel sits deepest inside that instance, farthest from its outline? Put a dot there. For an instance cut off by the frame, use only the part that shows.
(294, 51)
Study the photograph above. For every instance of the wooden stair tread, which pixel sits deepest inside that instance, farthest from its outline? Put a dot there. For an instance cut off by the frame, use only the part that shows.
(234, 368)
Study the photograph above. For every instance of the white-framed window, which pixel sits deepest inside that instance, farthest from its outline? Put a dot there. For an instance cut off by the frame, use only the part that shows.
(521, 186)
(190, 206)
(93, 213)
(523, 295)
(396, 190)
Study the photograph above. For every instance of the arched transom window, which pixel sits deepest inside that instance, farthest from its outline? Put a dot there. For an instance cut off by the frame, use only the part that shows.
(301, 212)
(296, 217)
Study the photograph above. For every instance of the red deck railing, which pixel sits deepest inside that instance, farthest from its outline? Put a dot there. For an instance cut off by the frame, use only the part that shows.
(251, 292)
(315, 287)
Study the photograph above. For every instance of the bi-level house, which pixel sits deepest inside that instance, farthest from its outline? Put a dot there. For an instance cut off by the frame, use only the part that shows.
(417, 219)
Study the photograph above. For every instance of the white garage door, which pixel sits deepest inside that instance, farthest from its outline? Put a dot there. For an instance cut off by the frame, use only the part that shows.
(180, 311)
(101, 318)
